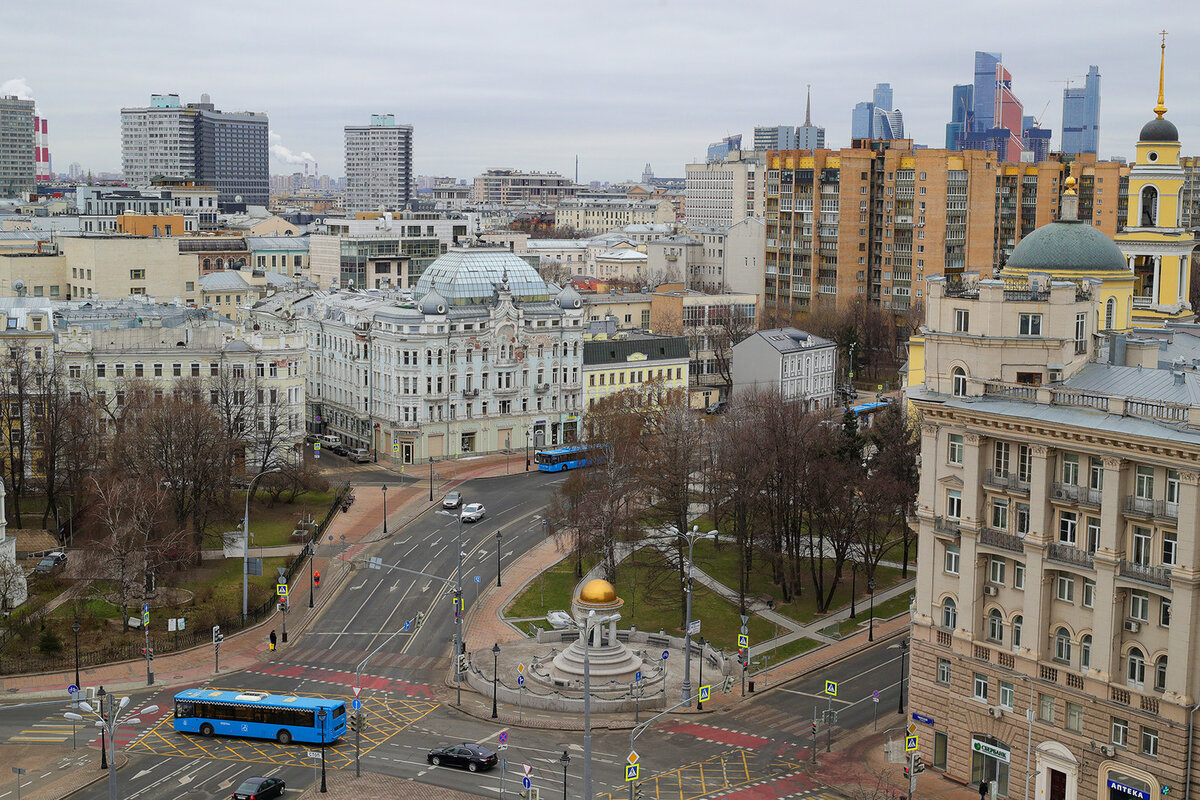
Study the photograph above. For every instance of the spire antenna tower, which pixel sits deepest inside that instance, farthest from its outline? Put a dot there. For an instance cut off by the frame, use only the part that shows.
(1161, 108)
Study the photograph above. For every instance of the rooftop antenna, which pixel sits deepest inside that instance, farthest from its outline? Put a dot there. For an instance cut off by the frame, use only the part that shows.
(577, 169)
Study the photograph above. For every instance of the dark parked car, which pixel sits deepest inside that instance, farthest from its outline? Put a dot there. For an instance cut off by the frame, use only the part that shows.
(50, 563)
(474, 757)
(716, 408)
(259, 789)
(340, 449)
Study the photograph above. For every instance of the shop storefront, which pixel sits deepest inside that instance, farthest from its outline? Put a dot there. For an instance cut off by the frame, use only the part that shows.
(990, 759)
(1121, 784)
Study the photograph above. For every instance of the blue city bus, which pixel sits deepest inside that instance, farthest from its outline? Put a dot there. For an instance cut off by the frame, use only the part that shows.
(259, 715)
(865, 412)
(567, 457)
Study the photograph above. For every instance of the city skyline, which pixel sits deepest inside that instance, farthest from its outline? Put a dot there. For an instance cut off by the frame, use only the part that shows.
(616, 89)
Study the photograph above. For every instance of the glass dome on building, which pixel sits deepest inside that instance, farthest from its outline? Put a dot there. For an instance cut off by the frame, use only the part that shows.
(470, 276)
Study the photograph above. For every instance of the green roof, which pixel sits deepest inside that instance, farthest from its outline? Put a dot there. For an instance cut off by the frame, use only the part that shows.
(1066, 247)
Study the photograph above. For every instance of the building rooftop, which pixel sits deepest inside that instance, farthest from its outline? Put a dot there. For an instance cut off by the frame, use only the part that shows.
(791, 340)
(618, 351)
(472, 275)
(296, 243)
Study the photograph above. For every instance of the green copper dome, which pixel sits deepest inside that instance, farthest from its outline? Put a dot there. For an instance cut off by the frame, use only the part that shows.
(1068, 247)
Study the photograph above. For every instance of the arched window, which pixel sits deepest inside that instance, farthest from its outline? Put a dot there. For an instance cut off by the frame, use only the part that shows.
(949, 614)
(959, 382)
(220, 263)
(429, 358)
(995, 626)
(1160, 674)
(1085, 652)
(1062, 645)
(208, 263)
(1017, 623)
(1149, 217)
(1110, 314)
(439, 358)
(1135, 675)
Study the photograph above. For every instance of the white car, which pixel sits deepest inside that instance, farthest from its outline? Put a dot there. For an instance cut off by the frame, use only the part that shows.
(472, 512)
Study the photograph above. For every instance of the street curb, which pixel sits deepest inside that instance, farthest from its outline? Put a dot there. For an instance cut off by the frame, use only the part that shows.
(103, 775)
(831, 661)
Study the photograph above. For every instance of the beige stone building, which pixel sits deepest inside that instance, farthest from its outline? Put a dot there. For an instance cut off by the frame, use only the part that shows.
(595, 216)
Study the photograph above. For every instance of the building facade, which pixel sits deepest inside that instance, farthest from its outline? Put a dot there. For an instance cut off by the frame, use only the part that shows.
(724, 192)
(515, 187)
(378, 165)
(633, 361)
(17, 147)
(800, 366)
(1081, 115)
(597, 216)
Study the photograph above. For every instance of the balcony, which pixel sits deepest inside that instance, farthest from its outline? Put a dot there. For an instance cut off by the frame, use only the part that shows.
(470, 393)
(1158, 576)
(1004, 480)
(505, 390)
(1001, 540)
(1145, 507)
(1066, 554)
(1140, 301)
(1076, 494)
(541, 388)
(947, 525)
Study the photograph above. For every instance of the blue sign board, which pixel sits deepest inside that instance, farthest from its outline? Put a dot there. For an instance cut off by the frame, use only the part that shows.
(477, 579)
(1128, 790)
(520, 680)
(921, 718)
(356, 704)
(72, 689)
(526, 782)
(666, 654)
(407, 625)
(503, 737)
(637, 676)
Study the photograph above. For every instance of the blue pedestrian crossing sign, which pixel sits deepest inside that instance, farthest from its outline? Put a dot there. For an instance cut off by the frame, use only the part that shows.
(526, 782)
(145, 613)
(743, 640)
(831, 688)
(356, 704)
(631, 772)
(704, 691)
(910, 743)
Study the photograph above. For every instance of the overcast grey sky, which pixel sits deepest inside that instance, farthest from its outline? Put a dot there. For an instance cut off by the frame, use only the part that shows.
(518, 83)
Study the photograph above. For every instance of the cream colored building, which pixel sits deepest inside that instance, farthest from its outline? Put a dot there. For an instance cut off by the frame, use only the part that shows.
(115, 267)
(723, 193)
(631, 310)
(595, 216)
(633, 362)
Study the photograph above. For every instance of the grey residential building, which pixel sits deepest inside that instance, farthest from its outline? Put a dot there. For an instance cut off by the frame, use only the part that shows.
(378, 165)
(16, 146)
(800, 366)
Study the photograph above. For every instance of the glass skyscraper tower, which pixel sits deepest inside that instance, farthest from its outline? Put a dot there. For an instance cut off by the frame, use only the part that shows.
(1081, 115)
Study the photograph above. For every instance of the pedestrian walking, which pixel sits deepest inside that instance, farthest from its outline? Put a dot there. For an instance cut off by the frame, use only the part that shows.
(273, 639)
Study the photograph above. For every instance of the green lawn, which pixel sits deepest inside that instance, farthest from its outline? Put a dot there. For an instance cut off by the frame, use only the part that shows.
(273, 525)
(784, 652)
(722, 564)
(885, 610)
(548, 592)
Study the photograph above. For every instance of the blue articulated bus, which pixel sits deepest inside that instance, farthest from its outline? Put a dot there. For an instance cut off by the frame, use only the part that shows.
(259, 715)
(568, 457)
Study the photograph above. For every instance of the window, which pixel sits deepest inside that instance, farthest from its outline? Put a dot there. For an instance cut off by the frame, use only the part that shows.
(1006, 695)
(1080, 330)
(1075, 717)
(1000, 459)
(1031, 324)
(1135, 672)
(962, 319)
(1085, 652)
(1170, 546)
(1141, 546)
(1173, 486)
(1144, 485)
(943, 673)
(1110, 314)
(1070, 469)
(953, 503)
(959, 382)
(1089, 593)
(996, 571)
(955, 455)
(1160, 674)
(1018, 575)
(1095, 473)
(1000, 513)
(1024, 463)
(1022, 519)
(952, 557)
(1093, 534)
(1120, 732)
(1046, 708)
(137, 274)
(1164, 613)
(995, 627)
(1062, 646)
(949, 614)
(1139, 605)
(1149, 742)
(981, 687)
(1017, 623)
(1067, 527)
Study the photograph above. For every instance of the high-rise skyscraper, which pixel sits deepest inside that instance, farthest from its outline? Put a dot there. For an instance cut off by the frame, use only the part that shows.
(378, 164)
(774, 137)
(998, 114)
(228, 151)
(809, 136)
(1081, 115)
(876, 119)
(985, 89)
(962, 114)
(882, 96)
(17, 153)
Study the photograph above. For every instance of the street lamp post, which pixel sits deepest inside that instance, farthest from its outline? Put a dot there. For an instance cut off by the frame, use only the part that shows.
(871, 623)
(108, 722)
(75, 626)
(431, 479)
(385, 509)
(458, 604)
(564, 759)
(853, 587)
(495, 675)
(246, 541)
(903, 653)
(103, 747)
(691, 538)
(587, 627)
(498, 542)
(321, 715)
(312, 556)
(527, 451)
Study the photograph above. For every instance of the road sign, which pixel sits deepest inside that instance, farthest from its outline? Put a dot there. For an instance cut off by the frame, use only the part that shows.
(316, 447)
(281, 589)
(477, 579)
(637, 676)
(356, 689)
(694, 628)
(745, 619)
(633, 757)
(145, 613)
(520, 680)
(407, 625)
(526, 782)
(743, 640)
(72, 689)
(18, 771)
(666, 654)
(922, 718)
(704, 692)
(631, 772)
(356, 704)
(314, 753)
(527, 768)
(911, 729)
(875, 695)
(503, 737)
(831, 688)
(910, 743)
(254, 565)
(520, 668)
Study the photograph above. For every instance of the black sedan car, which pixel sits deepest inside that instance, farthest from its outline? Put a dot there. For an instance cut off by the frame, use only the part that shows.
(474, 757)
(259, 789)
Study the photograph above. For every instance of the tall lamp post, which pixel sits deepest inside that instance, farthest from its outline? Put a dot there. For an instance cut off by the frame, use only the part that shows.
(312, 556)
(75, 626)
(871, 623)
(587, 627)
(385, 509)
(246, 540)
(690, 537)
(527, 451)
(495, 674)
(499, 539)
(853, 587)
(903, 653)
(431, 479)
(564, 759)
(103, 747)
(458, 602)
(107, 721)
(321, 715)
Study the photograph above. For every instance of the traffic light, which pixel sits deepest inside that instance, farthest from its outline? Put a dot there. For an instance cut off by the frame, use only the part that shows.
(918, 765)
(353, 722)
(907, 773)
(218, 637)
(419, 620)
(814, 728)
(317, 578)
(148, 653)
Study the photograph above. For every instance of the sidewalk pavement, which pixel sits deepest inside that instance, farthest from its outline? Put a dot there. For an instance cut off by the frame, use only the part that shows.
(361, 526)
(343, 785)
(52, 771)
